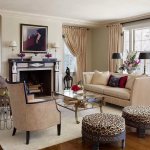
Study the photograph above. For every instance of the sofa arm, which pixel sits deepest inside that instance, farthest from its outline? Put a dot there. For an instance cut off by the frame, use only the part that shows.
(141, 91)
(87, 77)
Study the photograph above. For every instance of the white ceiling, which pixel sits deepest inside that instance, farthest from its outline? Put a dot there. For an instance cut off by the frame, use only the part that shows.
(88, 10)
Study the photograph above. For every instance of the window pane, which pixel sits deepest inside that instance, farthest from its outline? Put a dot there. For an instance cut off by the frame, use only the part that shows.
(146, 34)
(69, 59)
(126, 36)
(126, 44)
(138, 35)
(146, 45)
(138, 46)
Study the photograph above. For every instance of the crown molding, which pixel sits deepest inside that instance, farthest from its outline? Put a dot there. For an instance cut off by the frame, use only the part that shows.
(18, 14)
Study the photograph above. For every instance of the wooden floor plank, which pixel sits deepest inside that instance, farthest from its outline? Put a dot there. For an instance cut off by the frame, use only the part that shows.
(132, 143)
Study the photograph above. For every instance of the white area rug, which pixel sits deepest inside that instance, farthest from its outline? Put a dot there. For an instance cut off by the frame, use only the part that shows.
(45, 138)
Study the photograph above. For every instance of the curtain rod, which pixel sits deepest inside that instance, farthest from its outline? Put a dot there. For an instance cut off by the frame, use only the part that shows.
(142, 19)
(75, 26)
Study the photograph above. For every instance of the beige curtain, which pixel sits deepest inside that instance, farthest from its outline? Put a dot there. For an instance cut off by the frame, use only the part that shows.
(76, 39)
(115, 43)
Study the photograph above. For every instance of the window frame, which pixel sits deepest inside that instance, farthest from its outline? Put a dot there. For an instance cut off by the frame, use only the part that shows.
(131, 28)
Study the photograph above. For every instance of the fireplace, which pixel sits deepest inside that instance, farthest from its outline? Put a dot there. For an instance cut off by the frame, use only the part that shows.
(37, 81)
(38, 75)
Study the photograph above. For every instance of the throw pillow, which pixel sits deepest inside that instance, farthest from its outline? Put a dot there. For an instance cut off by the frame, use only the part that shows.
(123, 81)
(113, 81)
(100, 77)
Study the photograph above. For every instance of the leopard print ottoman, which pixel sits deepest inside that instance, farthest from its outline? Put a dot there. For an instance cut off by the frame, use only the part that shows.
(103, 128)
(138, 117)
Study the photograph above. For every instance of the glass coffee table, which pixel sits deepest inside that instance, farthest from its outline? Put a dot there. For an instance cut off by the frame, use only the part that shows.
(78, 101)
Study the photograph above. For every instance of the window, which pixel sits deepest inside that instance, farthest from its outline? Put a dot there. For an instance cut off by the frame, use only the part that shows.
(69, 59)
(137, 39)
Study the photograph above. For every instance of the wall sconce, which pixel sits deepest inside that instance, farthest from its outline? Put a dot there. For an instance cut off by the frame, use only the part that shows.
(55, 46)
(13, 44)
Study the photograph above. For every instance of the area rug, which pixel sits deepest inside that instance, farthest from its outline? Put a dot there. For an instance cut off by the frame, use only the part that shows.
(48, 137)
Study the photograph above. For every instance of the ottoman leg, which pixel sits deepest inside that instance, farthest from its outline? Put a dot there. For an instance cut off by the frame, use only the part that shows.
(140, 132)
(123, 144)
(95, 146)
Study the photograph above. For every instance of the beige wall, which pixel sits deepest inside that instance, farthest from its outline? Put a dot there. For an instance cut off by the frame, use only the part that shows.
(11, 31)
(100, 49)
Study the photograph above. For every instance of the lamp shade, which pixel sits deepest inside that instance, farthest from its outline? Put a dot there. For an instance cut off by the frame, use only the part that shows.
(144, 55)
(116, 56)
(13, 44)
(54, 45)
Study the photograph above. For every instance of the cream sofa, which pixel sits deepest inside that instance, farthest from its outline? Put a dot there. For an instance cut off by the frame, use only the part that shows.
(136, 91)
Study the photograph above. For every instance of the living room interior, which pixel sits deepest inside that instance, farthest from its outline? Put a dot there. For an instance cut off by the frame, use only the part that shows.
(75, 75)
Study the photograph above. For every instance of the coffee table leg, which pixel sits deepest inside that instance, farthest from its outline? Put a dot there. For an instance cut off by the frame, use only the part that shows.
(100, 106)
(76, 114)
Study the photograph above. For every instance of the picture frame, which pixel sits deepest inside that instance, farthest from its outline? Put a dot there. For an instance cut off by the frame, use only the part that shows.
(33, 38)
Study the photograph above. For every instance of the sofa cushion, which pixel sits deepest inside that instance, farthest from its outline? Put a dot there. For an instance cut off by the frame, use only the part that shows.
(100, 77)
(117, 92)
(87, 77)
(95, 88)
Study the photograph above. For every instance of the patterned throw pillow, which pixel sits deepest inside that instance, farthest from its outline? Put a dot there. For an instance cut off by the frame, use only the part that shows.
(113, 81)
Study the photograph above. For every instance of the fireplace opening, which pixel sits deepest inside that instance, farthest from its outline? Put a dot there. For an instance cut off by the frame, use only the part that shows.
(38, 81)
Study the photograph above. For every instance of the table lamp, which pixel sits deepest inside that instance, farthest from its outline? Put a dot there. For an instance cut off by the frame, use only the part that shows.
(144, 55)
(116, 56)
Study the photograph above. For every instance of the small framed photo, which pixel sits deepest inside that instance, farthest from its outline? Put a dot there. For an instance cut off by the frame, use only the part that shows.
(34, 38)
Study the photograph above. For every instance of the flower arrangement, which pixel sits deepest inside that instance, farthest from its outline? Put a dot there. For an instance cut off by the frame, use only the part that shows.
(131, 63)
(48, 55)
(75, 88)
(21, 55)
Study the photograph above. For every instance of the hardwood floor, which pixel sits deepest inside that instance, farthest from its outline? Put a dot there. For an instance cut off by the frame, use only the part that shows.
(132, 143)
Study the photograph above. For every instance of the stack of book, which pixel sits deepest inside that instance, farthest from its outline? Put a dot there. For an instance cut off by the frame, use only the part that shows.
(35, 88)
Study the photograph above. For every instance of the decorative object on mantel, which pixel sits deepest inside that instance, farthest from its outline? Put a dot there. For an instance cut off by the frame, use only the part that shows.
(21, 55)
(36, 57)
(116, 56)
(144, 55)
(13, 44)
(33, 38)
(131, 62)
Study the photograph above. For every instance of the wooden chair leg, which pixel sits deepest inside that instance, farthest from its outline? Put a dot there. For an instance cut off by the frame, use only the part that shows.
(14, 131)
(27, 137)
(59, 129)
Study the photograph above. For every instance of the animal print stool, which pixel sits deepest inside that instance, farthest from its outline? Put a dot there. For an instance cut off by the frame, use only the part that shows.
(103, 128)
(138, 117)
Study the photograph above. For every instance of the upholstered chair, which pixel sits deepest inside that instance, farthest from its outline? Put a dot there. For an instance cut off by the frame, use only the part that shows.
(31, 114)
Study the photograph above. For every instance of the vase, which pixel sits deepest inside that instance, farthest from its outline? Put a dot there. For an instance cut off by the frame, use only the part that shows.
(131, 70)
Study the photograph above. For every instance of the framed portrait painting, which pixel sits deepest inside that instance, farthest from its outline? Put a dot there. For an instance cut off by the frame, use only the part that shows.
(33, 38)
